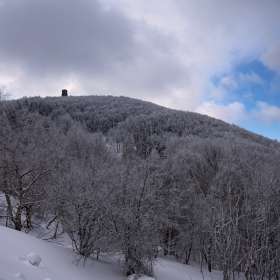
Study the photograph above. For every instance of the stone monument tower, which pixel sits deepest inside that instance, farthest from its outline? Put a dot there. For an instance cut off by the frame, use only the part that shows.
(64, 92)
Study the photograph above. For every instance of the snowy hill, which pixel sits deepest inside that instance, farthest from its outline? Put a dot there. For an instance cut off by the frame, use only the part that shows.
(124, 177)
(58, 263)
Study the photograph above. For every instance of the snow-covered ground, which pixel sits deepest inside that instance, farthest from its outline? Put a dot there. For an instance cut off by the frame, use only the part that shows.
(58, 263)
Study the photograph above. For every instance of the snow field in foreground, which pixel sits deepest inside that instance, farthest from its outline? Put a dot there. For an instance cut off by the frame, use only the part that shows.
(58, 263)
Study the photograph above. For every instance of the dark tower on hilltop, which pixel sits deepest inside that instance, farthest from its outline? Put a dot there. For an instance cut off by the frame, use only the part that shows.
(64, 92)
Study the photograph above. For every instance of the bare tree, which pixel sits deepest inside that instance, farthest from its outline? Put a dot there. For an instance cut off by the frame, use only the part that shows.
(27, 158)
(133, 212)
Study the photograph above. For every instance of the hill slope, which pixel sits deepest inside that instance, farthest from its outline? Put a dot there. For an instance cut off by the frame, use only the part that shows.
(102, 113)
(124, 176)
(58, 263)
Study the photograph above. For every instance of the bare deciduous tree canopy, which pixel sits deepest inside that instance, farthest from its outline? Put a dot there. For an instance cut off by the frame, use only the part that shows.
(126, 177)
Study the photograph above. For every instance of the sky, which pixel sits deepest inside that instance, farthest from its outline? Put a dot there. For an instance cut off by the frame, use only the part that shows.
(215, 57)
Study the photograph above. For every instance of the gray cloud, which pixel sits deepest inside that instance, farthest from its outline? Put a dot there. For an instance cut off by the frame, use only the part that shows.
(57, 36)
(88, 46)
(165, 52)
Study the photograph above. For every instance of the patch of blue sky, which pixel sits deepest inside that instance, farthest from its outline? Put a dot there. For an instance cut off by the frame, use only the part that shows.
(270, 130)
(258, 88)
(257, 67)
(250, 82)
(261, 83)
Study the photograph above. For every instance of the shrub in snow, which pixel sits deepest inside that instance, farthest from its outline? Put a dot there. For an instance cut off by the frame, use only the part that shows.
(18, 275)
(139, 277)
(33, 258)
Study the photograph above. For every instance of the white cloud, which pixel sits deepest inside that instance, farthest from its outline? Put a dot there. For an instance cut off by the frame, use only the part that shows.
(249, 95)
(266, 113)
(229, 82)
(214, 36)
(250, 78)
(235, 112)
(275, 84)
(231, 113)
(271, 57)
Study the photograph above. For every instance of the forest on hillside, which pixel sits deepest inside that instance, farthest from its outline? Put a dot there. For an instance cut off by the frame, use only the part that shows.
(130, 178)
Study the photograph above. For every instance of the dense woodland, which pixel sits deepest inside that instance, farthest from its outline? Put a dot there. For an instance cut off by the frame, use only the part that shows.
(129, 178)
